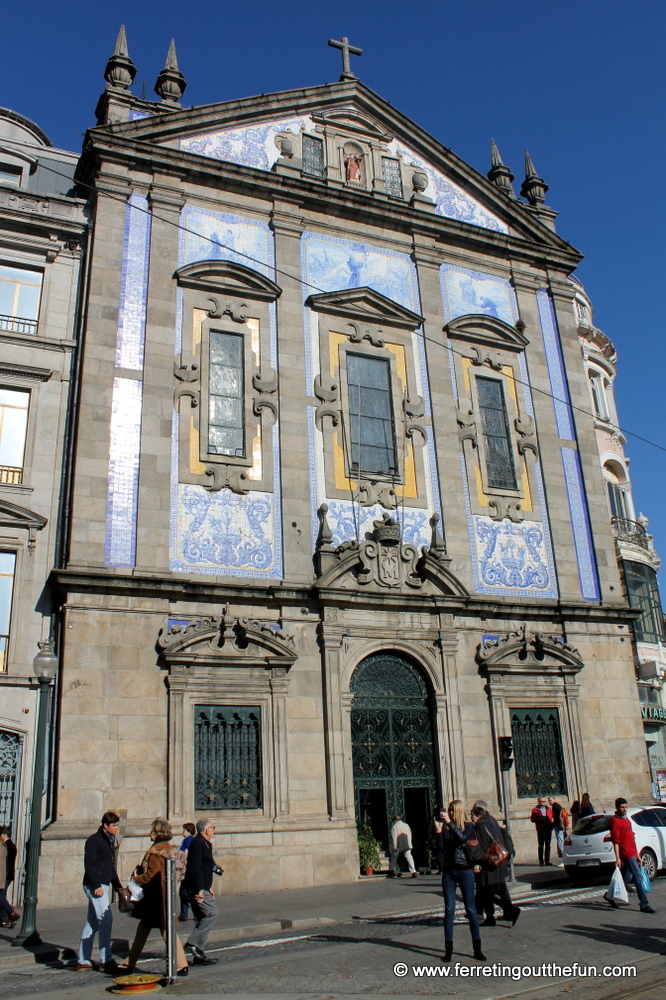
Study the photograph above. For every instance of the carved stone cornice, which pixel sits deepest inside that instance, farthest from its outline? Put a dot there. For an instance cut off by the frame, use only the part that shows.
(528, 652)
(228, 278)
(365, 304)
(488, 330)
(13, 516)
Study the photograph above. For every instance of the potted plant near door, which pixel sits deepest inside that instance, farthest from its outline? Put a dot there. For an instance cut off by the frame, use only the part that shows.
(368, 849)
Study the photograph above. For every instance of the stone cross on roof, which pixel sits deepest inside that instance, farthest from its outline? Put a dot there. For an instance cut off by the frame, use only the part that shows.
(346, 50)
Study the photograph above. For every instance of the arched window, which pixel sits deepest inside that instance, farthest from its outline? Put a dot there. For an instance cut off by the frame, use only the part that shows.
(618, 490)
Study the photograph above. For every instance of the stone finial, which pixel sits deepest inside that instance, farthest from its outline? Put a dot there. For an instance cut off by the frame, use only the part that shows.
(533, 189)
(325, 534)
(120, 70)
(499, 174)
(437, 543)
(171, 83)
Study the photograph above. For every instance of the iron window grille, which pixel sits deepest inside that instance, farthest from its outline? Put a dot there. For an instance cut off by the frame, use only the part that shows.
(11, 747)
(371, 415)
(538, 752)
(227, 758)
(226, 395)
(500, 467)
(392, 176)
(313, 156)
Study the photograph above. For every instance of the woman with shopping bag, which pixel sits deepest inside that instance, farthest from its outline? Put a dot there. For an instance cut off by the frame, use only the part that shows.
(626, 858)
(150, 910)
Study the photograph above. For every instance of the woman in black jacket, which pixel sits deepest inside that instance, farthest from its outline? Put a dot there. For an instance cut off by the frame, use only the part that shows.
(458, 870)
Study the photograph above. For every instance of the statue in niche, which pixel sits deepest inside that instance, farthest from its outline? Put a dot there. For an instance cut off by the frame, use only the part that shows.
(353, 167)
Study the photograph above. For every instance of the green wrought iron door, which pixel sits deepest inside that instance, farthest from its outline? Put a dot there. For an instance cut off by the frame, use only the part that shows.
(392, 741)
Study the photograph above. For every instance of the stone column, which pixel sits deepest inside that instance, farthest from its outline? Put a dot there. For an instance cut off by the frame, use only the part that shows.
(336, 723)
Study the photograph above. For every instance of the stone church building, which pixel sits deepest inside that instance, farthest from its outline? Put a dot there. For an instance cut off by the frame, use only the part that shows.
(338, 519)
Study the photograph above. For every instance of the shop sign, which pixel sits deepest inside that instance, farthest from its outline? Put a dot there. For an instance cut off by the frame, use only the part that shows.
(651, 713)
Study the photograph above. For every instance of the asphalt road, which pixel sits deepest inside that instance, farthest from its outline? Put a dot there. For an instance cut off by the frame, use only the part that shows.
(401, 955)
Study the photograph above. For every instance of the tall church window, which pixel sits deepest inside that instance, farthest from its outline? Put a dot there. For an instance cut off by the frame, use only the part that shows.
(7, 569)
(13, 427)
(227, 758)
(20, 293)
(500, 468)
(313, 156)
(392, 176)
(226, 395)
(538, 752)
(643, 593)
(371, 415)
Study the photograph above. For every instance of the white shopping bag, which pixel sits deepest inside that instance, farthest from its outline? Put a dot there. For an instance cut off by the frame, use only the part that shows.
(617, 890)
(137, 891)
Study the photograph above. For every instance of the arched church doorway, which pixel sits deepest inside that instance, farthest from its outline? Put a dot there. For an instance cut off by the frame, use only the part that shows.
(393, 751)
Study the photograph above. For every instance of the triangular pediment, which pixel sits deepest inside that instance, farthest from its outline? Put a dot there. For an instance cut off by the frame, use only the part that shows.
(13, 516)
(490, 330)
(248, 132)
(228, 278)
(367, 305)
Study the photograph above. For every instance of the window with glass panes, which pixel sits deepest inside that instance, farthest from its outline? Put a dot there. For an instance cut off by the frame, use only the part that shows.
(643, 593)
(19, 299)
(7, 570)
(13, 426)
(619, 501)
(10, 175)
(371, 415)
(392, 176)
(500, 469)
(227, 757)
(226, 395)
(313, 156)
(538, 752)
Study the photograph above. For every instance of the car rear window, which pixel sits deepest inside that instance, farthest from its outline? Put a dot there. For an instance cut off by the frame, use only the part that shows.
(592, 824)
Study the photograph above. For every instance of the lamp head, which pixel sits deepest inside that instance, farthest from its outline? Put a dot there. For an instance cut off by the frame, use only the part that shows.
(45, 664)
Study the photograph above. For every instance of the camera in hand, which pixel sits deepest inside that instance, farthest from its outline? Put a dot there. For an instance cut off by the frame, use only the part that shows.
(217, 870)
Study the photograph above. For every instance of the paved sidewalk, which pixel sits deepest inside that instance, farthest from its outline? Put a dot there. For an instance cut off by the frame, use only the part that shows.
(250, 915)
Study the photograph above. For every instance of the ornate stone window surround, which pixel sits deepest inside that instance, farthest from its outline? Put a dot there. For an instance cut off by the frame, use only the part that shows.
(340, 127)
(526, 670)
(229, 298)
(229, 662)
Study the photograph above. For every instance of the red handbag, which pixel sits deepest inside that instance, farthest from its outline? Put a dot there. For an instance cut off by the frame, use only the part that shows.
(496, 854)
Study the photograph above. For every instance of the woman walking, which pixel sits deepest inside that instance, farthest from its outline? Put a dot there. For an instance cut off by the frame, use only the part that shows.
(491, 880)
(8, 915)
(586, 807)
(151, 910)
(458, 870)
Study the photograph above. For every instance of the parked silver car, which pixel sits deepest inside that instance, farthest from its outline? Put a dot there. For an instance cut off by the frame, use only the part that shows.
(588, 851)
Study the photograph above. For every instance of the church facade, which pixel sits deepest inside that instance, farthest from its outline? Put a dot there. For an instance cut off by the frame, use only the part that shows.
(338, 519)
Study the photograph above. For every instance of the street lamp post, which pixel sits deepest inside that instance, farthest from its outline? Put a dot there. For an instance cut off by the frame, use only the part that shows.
(45, 666)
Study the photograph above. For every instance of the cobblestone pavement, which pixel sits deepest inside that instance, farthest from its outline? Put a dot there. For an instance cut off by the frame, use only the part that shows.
(367, 957)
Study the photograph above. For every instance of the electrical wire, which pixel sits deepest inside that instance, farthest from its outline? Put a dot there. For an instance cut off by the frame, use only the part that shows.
(308, 284)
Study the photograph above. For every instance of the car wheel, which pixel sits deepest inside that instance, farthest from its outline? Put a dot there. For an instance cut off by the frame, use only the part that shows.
(649, 862)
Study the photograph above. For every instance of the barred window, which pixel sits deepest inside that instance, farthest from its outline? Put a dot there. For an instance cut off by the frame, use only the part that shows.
(538, 752)
(226, 395)
(392, 176)
(227, 758)
(495, 423)
(371, 415)
(313, 156)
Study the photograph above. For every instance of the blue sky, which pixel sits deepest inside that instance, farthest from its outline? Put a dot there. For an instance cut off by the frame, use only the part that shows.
(581, 84)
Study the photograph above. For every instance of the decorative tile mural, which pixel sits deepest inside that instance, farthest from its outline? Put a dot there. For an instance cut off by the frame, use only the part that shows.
(224, 533)
(466, 292)
(587, 567)
(573, 476)
(330, 264)
(511, 558)
(123, 483)
(134, 285)
(253, 145)
(450, 199)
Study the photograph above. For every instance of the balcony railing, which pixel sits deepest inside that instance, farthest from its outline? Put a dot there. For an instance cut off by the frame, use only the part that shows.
(16, 324)
(11, 475)
(630, 531)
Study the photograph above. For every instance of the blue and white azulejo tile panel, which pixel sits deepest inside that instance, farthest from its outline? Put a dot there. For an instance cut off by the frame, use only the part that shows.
(130, 341)
(347, 520)
(466, 292)
(556, 372)
(587, 567)
(224, 533)
(511, 559)
(450, 199)
(330, 264)
(123, 482)
(251, 145)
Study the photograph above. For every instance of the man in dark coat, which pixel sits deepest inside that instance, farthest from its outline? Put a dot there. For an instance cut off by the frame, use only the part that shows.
(198, 883)
(491, 881)
(99, 873)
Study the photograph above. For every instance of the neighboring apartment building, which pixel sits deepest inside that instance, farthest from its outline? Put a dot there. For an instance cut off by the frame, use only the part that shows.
(338, 520)
(636, 555)
(43, 230)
